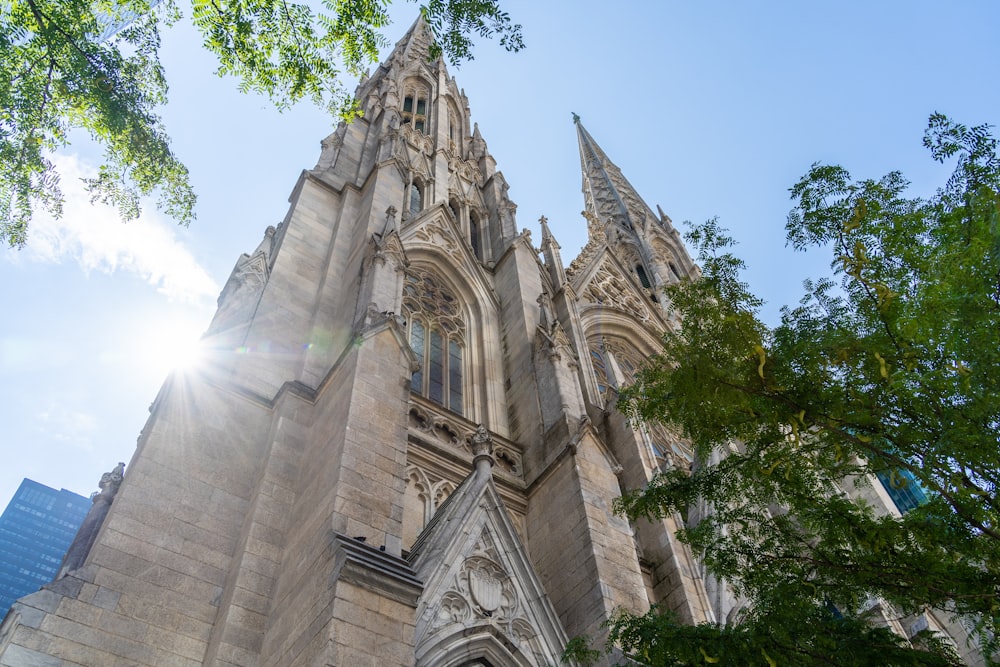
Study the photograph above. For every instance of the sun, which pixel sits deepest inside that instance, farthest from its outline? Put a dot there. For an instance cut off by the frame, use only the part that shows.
(172, 344)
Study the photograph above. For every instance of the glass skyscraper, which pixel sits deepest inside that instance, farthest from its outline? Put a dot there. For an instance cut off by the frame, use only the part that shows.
(36, 529)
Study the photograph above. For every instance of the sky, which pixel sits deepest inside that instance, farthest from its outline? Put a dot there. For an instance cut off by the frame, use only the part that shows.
(709, 108)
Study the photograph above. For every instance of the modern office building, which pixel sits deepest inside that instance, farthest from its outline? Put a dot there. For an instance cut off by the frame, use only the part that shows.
(36, 529)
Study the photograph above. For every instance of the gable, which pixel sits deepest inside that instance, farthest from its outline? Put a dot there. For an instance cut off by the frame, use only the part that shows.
(433, 232)
(480, 587)
(606, 285)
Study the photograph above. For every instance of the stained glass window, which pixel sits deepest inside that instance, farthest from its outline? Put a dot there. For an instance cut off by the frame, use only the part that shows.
(437, 336)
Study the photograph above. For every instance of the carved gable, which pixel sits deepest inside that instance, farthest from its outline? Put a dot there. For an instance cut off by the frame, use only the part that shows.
(480, 587)
(434, 230)
(608, 285)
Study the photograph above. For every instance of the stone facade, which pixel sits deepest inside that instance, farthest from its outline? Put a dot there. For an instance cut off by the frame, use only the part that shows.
(404, 447)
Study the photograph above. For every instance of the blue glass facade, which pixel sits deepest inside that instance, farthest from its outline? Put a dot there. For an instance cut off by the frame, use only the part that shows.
(904, 489)
(36, 529)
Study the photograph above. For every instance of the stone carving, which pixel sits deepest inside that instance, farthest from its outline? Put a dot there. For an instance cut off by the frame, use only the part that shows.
(423, 143)
(467, 170)
(330, 148)
(507, 460)
(85, 536)
(433, 233)
(481, 442)
(452, 609)
(610, 288)
(485, 583)
(546, 317)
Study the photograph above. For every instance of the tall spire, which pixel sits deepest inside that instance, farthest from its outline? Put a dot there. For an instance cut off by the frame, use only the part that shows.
(416, 42)
(608, 195)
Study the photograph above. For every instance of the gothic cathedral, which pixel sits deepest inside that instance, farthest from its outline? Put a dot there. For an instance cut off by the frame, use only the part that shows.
(405, 447)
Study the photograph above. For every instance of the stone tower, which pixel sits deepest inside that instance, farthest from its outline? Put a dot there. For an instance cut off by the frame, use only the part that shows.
(404, 447)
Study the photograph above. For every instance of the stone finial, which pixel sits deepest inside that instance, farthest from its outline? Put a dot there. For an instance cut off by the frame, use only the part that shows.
(481, 443)
(390, 221)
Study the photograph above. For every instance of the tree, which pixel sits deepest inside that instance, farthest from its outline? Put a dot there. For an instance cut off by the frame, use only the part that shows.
(892, 370)
(93, 65)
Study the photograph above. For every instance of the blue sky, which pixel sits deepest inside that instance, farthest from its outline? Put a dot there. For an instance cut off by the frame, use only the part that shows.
(709, 108)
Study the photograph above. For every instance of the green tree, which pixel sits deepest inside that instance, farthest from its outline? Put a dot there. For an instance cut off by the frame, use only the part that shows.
(892, 369)
(93, 65)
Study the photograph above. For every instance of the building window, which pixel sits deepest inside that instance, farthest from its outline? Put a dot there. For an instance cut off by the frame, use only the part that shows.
(673, 270)
(903, 488)
(437, 336)
(416, 198)
(643, 278)
(624, 360)
(474, 234)
(415, 109)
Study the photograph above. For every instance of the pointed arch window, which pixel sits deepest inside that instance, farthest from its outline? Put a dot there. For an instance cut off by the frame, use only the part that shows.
(474, 234)
(415, 106)
(437, 337)
(624, 363)
(643, 278)
(416, 198)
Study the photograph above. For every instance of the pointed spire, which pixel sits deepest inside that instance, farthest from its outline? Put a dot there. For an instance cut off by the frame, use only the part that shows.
(609, 197)
(547, 236)
(416, 42)
(550, 250)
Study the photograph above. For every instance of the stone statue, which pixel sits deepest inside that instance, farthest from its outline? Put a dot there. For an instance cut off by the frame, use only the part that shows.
(85, 537)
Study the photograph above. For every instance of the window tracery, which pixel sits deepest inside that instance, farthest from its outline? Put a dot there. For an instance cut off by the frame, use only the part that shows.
(415, 107)
(437, 337)
(625, 359)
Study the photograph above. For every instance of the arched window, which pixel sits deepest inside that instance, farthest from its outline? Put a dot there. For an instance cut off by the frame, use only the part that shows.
(474, 234)
(625, 360)
(643, 278)
(437, 336)
(415, 106)
(416, 198)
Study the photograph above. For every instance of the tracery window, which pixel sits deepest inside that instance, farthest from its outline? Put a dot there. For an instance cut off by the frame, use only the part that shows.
(437, 337)
(625, 359)
(415, 108)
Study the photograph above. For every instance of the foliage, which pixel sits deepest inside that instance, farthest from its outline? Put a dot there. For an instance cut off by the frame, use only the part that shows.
(763, 638)
(895, 369)
(93, 65)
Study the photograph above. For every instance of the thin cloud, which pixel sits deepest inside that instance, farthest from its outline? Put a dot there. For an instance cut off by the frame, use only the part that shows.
(94, 237)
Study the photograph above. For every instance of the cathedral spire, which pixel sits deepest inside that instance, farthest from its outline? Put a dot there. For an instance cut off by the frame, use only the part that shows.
(415, 43)
(609, 197)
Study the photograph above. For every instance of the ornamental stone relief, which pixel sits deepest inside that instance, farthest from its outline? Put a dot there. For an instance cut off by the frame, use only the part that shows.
(433, 233)
(466, 169)
(610, 288)
(483, 591)
(436, 426)
(423, 143)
